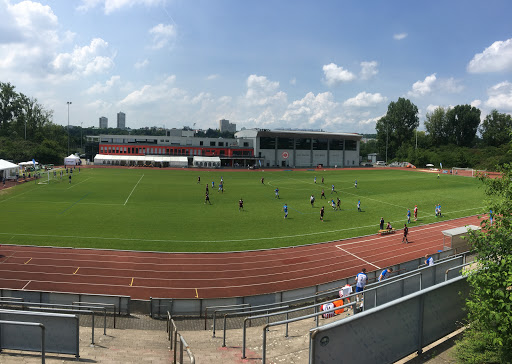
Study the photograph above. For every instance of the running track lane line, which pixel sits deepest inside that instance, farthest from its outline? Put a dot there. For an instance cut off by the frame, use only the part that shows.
(355, 256)
(133, 189)
(26, 285)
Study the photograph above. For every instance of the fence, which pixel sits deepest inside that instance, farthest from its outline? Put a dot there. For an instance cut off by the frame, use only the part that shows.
(62, 332)
(395, 329)
(33, 324)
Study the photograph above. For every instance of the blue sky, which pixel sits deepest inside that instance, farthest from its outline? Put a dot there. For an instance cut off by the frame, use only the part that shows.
(331, 65)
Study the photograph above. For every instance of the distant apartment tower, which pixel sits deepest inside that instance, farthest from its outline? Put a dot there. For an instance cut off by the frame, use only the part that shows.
(121, 120)
(103, 122)
(225, 125)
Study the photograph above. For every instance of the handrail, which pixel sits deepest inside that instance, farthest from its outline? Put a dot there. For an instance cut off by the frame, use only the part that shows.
(241, 313)
(89, 304)
(43, 354)
(448, 258)
(228, 306)
(265, 328)
(261, 310)
(315, 305)
(183, 343)
(54, 307)
(452, 268)
(392, 282)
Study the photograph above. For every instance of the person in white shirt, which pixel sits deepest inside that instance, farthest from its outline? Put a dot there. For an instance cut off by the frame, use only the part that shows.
(429, 260)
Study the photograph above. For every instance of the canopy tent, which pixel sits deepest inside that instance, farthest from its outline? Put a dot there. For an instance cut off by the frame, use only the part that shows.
(8, 169)
(71, 160)
(27, 164)
(135, 160)
(212, 162)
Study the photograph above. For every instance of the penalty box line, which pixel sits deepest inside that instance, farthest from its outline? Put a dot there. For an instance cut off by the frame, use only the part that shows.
(355, 256)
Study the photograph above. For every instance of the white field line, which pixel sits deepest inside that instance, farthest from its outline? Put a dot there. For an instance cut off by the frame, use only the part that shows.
(198, 241)
(10, 198)
(355, 256)
(79, 183)
(133, 189)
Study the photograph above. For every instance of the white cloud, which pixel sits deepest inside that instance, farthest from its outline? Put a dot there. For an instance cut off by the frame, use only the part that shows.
(261, 91)
(371, 121)
(365, 99)
(368, 70)
(114, 5)
(500, 96)
(141, 64)
(28, 37)
(495, 58)
(400, 36)
(99, 88)
(212, 77)
(421, 88)
(431, 108)
(335, 75)
(84, 61)
(311, 110)
(293, 81)
(163, 35)
(449, 85)
(476, 103)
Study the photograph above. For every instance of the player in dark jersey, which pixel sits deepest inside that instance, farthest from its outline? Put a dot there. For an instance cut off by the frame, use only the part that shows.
(207, 198)
(322, 211)
(241, 205)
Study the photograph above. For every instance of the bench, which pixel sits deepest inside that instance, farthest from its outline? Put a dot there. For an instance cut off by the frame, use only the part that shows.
(386, 231)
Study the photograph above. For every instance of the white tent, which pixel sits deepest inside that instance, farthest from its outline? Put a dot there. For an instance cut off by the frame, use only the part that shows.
(8, 169)
(209, 162)
(135, 160)
(71, 160)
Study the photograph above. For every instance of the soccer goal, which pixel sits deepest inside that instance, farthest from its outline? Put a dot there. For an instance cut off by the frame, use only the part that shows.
(466, 172)
(51, 175)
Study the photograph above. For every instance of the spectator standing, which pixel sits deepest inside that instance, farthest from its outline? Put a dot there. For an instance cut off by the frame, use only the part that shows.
(384, 274)
(381, 226)
(429, 261)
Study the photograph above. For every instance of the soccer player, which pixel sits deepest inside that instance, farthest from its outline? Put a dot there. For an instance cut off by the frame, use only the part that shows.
(355, 183)
(415, 212)
(312, 201)
(384, 274)
(241, 205)
(213, 184)
(322, 195)
(359, 205)
(333, 204)
(70, 179)
(277, 192)
(315, 179)
(262, 180)
(338, 201)
(322, 211)
(408, 216)
(207, 188)
(333, 190)
(429, 260)
(221, 187)
(198, 179)
(285, 209)
(439, 210)
(207, 198)
(361, 279)
(322, 180)
(406, 231)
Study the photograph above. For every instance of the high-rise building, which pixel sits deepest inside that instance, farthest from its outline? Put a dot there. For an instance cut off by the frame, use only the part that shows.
(121, 120)
(225, 125)
(103, 122)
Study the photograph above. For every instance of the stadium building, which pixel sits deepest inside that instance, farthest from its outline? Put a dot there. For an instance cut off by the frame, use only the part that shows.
(249, 148)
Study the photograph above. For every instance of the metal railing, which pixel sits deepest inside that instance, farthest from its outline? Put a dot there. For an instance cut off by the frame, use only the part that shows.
(2, 322)
(62, 308)
(173, 334)
(93, 304)
(228, 306)
(457, 267)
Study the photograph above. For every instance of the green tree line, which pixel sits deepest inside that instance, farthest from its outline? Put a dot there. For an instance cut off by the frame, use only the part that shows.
(450, 137)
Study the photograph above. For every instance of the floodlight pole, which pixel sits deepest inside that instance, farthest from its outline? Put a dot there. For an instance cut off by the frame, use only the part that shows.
(69, 103)
(82, 138)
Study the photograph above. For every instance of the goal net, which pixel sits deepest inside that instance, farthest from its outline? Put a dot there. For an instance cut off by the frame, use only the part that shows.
(466, 172)
(53, 175)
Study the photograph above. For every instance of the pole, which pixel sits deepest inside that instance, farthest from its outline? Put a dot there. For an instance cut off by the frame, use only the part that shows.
(69, 103)
(386, 142)
(81, 138)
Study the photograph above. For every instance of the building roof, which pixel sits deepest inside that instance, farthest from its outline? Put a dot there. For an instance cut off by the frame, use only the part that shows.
(296, 133)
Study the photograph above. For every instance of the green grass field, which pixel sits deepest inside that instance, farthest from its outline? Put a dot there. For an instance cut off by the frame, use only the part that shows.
(164, 210)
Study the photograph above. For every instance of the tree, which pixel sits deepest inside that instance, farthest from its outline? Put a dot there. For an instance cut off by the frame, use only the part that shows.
(490, 301)
(397, 126)
(462, 123)
(496, 129)
(437, 126)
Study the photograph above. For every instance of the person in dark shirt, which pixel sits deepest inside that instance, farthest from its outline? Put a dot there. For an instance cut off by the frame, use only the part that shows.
(322, 211)
(381, 226)
(241, 205)
(406, 231)
(207, 198)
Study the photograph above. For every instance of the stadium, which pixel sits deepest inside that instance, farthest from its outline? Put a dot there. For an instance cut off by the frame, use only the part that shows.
(142, 240)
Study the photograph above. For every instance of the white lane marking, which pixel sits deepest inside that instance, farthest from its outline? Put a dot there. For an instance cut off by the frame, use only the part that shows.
(355, 256)
(133, 189)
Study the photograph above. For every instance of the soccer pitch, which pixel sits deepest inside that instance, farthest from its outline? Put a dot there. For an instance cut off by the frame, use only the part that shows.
(164, 210)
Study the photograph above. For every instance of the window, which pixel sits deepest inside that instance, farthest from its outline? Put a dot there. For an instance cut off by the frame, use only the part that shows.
(267, 143)
(201, 143)
(303, 144)
(285, 143)
(124, 149)
(336, 144)
(246, 144)
(101, 150)
(350, 145)
(221, 144)
(319, 144)
(212, 144)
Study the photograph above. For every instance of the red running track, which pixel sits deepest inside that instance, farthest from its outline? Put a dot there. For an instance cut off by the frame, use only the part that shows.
(211, 275)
